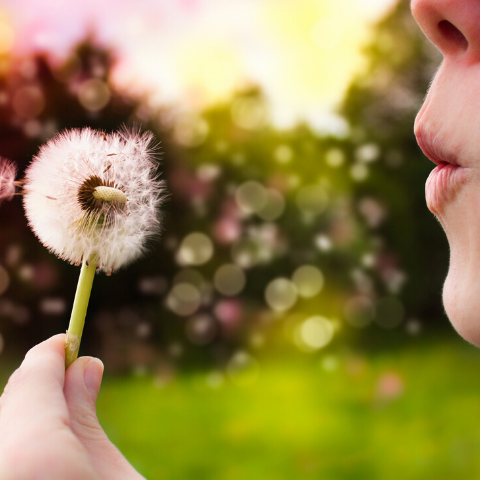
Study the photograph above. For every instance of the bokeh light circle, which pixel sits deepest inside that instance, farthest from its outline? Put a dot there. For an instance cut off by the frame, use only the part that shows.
(281, 294)
(247, 252)
(334, 157)
(18, 313)
(208, 172)
(359, 172)
(367, 153)
(308, 280)
(283, 154)
(314, 333)
(323, 243)
(274, 205)
(251, 197)
(195, 249)
(373, 211)
(229, 279)
(189, 275)
(201, 329)
(329, 363)
(413, 327)
(94, 94)
(190, 130)
(53, 306)
(28, 101)
(249, 113)
(214, 379)
(184, 299)
(359, 311)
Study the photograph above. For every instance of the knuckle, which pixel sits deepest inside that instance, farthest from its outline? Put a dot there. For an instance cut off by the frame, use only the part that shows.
(15, 379)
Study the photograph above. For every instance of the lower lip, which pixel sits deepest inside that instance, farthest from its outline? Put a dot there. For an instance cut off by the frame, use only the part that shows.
(442, 185)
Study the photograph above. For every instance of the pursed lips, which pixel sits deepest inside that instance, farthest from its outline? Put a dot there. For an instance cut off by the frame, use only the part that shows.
(433, 150)
(445, 179)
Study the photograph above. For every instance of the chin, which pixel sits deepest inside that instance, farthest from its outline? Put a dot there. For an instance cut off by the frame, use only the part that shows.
(461, 291)
(462, 306)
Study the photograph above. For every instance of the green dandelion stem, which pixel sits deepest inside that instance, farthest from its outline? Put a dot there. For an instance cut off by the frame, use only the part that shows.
(79, 311)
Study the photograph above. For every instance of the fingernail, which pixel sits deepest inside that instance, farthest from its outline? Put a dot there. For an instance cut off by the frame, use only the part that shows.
(93, 377)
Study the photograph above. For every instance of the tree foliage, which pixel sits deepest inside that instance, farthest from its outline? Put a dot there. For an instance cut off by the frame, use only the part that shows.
(265, 201)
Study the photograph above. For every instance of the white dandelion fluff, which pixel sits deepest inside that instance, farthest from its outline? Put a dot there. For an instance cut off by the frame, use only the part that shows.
(91, 196)
(8, 170)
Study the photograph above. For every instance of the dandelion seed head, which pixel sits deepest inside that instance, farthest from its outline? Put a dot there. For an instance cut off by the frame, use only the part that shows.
(8, 171)
(91, 195)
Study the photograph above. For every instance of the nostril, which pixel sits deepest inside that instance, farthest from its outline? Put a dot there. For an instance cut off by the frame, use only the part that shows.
(453, 34)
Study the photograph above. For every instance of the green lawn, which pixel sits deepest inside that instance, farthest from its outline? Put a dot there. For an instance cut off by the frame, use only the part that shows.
(410, 413)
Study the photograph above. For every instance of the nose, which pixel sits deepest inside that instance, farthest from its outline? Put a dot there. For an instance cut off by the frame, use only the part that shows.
(452, 25)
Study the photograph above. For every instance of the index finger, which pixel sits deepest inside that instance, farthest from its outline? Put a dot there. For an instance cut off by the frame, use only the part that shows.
(34, 393)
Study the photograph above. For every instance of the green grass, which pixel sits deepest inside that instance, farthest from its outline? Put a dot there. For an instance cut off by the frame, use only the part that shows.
(294, 420)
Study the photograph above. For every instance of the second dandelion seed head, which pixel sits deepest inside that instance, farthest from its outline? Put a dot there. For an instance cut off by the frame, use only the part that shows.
(7, 179)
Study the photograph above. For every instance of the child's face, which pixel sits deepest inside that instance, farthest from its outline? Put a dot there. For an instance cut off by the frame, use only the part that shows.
(448, 131)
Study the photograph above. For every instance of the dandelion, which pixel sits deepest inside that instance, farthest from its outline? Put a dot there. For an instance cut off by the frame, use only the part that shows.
(92, 199)
(8, 172)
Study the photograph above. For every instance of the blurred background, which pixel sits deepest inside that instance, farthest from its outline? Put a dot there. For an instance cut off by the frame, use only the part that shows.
(288, 323)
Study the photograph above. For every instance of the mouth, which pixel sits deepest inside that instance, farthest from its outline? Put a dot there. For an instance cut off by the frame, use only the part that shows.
(446, 178)
(434, 150)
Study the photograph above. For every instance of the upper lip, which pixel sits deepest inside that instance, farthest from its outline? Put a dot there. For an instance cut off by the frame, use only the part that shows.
(432, 148)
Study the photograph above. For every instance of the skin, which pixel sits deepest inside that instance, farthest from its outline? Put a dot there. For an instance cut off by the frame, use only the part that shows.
(48, 424)
(448, 126)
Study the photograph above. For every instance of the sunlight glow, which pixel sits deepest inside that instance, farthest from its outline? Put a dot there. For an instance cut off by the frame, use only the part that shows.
(196, 54)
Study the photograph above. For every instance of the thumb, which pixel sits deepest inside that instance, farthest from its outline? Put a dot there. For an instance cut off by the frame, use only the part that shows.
(82, 384)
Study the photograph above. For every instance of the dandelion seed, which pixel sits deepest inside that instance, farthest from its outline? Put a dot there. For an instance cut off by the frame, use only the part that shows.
(7, 179)
(83, 202)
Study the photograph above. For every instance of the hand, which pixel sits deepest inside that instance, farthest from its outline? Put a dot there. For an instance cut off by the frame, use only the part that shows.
(48, 424)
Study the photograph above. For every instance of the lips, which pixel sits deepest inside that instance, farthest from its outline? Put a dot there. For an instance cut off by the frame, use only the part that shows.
(433, 149)
(446, 178)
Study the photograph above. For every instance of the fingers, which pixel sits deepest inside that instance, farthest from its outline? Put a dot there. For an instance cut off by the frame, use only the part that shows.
(82, 384)
(35, 441)
(41, 400)
(34, 393)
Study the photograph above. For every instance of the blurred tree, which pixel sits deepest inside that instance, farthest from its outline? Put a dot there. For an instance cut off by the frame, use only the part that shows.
(380, 108)
(39, 97)
(267, 233)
